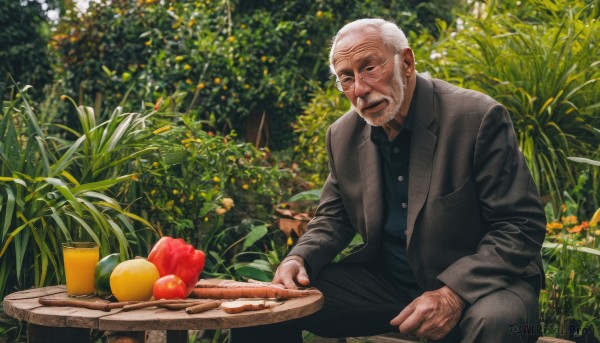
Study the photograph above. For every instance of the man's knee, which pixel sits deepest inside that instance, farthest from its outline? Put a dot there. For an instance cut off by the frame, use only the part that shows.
(504, 313)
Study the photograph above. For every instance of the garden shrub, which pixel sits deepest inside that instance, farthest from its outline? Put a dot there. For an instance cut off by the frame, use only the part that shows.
(237, 65)
(46, 197)
(544, 69)
(24, 53)
(311, 127)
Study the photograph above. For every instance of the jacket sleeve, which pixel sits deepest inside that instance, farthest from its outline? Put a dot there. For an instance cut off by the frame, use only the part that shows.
(330, 231)
(510, 205)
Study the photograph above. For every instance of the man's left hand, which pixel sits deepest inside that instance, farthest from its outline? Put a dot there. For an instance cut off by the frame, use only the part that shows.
(432, 315)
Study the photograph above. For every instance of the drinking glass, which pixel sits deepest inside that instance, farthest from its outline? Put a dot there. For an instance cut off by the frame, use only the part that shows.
(80, 260)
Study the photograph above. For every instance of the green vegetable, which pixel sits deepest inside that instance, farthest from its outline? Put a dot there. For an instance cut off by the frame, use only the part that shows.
(104, 268)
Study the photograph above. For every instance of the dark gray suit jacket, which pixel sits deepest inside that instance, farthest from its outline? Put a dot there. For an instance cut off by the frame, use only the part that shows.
(475, 221)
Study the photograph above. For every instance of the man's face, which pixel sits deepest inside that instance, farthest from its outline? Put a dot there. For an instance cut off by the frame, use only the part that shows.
(376, 102)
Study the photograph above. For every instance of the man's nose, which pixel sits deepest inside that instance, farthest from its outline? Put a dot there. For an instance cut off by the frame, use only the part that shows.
(361, 88)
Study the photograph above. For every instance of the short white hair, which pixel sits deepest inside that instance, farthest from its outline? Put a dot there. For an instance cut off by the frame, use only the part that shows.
(392, 36)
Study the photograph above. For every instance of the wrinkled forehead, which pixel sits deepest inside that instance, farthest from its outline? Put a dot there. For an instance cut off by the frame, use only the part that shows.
(353, 47)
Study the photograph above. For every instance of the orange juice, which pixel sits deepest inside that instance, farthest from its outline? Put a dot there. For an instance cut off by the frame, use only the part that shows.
(80, 262)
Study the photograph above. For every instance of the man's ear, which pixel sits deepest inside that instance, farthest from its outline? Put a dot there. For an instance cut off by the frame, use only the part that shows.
(408, 59)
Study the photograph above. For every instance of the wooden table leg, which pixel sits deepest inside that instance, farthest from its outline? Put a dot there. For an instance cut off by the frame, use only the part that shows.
(177, 336)
(46, 334)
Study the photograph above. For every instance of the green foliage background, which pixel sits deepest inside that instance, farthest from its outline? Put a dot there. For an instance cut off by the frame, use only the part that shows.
(194, 118)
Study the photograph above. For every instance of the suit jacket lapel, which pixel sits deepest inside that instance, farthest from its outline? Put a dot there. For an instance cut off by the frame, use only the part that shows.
(422, 147)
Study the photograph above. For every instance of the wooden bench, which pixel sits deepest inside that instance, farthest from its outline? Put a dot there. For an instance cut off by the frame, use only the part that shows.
(398, 338)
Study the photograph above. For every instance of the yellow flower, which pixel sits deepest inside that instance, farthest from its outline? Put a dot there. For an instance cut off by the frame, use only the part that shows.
(217, 80)
(220, 211)
(188, 81)
(245, 187)
(155, 164)
(187, 67)
(246, 86)
(200, 86)
(569, 220)
(206, 219)
(319, 14)
(290, 241)
(263, 58)
(175, 191)
(179, 58)
(228, 203)
(135, 177)
(216, 179)
(148, 43)
(191, 197)
(63, 98)
(231, 39)
(152, 192)
(192, 23)
(308, 42)
(554, 225)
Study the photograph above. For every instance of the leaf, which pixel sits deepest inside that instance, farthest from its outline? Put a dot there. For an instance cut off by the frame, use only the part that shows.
(8, 213)
(584, 160)
(313, 194)
(250, 272)
(100, 185)
(61, 224)
(548, 245)
(64, 161)
(107, 71)
(66, 192)
(257, 233)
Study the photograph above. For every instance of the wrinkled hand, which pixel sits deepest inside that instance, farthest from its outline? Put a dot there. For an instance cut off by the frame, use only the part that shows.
(432, 315)
(291, 273)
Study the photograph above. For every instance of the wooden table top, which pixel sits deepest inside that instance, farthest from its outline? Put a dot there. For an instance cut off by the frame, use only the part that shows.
(24, 306)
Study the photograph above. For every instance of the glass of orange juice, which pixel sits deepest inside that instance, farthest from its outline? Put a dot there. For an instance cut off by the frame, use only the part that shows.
(80, 260)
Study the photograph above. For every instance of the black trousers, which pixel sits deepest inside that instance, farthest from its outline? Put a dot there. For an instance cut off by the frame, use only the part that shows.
(360, 300)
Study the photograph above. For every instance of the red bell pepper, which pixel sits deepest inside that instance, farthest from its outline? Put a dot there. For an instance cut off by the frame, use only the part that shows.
(175, 256)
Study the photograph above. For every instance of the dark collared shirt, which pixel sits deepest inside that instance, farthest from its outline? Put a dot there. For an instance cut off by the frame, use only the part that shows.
(395, 157)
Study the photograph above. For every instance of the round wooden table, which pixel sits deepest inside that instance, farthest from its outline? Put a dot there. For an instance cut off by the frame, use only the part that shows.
(46, 321)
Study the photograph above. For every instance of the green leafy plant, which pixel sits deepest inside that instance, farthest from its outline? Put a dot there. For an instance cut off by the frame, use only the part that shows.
(43, 203)
(545, 70)
(571, 254)
(326, 107)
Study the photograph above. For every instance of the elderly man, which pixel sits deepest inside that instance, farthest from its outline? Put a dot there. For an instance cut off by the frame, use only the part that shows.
(431, 176)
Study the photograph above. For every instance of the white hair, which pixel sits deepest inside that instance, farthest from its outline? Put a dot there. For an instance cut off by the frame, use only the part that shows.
(392, 36)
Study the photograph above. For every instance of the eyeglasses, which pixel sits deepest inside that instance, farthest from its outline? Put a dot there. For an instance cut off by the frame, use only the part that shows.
(370, 75)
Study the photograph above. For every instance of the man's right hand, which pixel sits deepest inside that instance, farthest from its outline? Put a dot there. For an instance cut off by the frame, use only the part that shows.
(291, 273)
